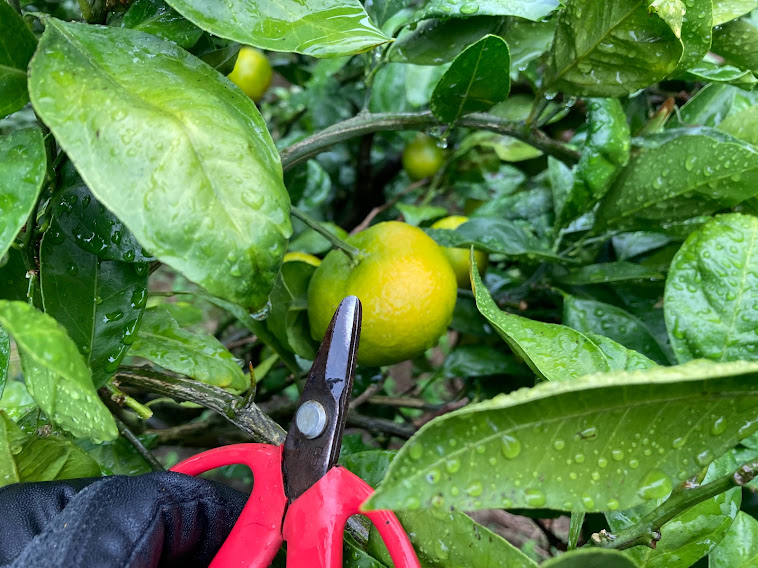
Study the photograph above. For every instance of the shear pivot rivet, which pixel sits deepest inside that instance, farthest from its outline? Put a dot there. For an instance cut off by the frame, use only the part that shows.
(311, 419)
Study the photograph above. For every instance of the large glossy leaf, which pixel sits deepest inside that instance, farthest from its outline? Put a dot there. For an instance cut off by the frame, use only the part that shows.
(288, 319)
(742, 124)
(5, 358)
(18, 44)
(737, 43)
(712, 292)
(691, 534)
(554, 352)
(16, 400)
(609, 49)
(118, 457)
(55, 373)
(687, 176)
(22, 171)
(739, 548)
(82, 218)
(41, 459)
(322, 28)
(155, 17)
(604, 154)
(478, 79)
(619, 357)
(170, 171)
(534, 10)
(597, 443)
(444, 539)
(696, 32)
(527, 42)
(590, 558)
(592, 316)
(710, 72)
(727, 10)
(202, 357)
(605, 272)
(13, 281)
(711, 105)
(99, 302)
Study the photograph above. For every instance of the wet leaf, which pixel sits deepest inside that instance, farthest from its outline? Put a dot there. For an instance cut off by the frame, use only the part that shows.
(603, 442)
(619, 357)
(535, 10)
(737, 43)
(604, 154)
(5, 358)
(697, 34)
(478, 79)
(55, 373)
(16, 400)
(118, 457)
(691, 534)
(590, 558)
(18, 44)
(480, 361)
(528, 41)
(605, 272)
(168, 171)
(610, 49)
(742, 125)
(592, 316)
(687, 176)
(739, 548)
(727, 10)
(41, 459)
(710, 72)
(157, 18)
(671, 12)
(712, 292)
(99, 302)
(321, 28)
(200, 356)
(554, 352)
(22, 170)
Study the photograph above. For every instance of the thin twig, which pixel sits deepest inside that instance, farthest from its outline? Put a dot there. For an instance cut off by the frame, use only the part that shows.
(352, 252)
(381, 425)
(647, 530)
(137, 444)
(384, 206)
(247, 417)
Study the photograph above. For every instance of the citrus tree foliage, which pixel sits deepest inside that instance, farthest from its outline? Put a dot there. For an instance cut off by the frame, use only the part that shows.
(601, 368)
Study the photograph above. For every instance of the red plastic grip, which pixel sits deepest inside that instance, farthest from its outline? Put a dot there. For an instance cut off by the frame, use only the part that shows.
(257, 535)
(315, 523)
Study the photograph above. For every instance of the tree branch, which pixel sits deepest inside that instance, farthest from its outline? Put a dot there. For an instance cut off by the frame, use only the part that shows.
(247, 418)
(647, 530)
(366, 123)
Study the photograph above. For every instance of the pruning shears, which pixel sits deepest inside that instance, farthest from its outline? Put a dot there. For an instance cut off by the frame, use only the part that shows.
(299, 495)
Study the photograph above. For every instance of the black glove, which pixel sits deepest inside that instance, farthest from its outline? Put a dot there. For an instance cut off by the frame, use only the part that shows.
(156, 519)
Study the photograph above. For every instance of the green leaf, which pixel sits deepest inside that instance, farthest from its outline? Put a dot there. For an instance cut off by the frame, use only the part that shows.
(480, 361)
(739, 548)
(321, 28)
(603, 442)
(99, 302)
(16, 400)
(592, 316)
(590, 558)
(514, 239)
(737, 43)
(288, 319)
(477, 80)
(604, 154)
(619, 357)
(43, 459)
(13, 281)
(56, 374)
(726, 10)
(554, 352)
(671, 12)
(433, 42)
(690, 175)
(18, 44)
(8, 469)
(417, 214)
(527, 42)
(710, 72)
(83, 219)
(690, 535)
(202, 357)
(5, 358)
(534, 10)
(23, 162)
(742, 125)
(605, 272)
(445, 539)
(168, 171)
(155, 17)
(118, 457)
(712, 292)
(610, 49)
(696, 32)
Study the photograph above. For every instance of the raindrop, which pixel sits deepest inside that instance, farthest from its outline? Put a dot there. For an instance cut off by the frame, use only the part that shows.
(704, 458)
(559, 444)
(655, 485)
(588, 501)
(452, 465)
(617, 455)
(433, 476)
(416, 451)
(511, 446)
(534, 497)
(475, 489)
(719, 426)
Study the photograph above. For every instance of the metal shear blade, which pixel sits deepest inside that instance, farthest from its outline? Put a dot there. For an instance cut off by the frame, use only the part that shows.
(313, 443)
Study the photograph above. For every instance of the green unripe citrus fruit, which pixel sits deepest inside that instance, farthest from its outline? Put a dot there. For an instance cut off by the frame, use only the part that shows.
(459, 257)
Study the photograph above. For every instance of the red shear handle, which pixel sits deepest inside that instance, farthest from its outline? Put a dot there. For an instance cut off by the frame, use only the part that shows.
(316, 520)
(256, 537)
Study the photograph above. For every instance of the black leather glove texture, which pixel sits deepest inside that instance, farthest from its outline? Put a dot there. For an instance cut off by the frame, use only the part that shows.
(157, 519)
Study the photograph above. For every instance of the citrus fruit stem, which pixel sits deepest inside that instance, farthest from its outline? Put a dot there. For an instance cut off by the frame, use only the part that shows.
(353, 253)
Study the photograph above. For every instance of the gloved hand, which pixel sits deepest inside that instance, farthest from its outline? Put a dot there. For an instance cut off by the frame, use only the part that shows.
(156, 519)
